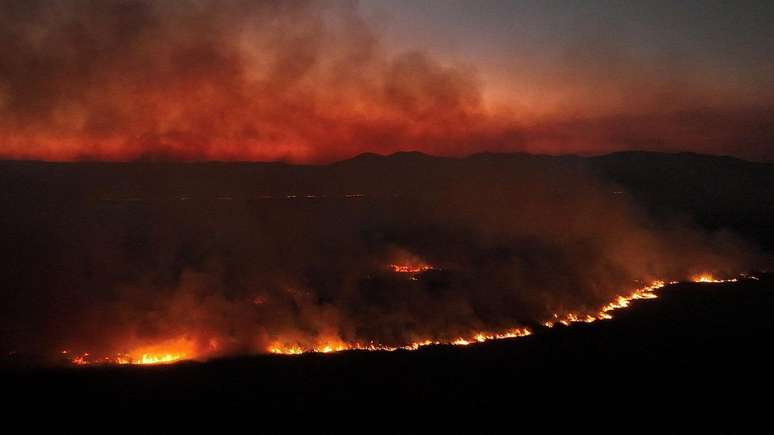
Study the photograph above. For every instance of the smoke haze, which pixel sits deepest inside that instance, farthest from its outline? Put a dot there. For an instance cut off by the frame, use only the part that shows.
(311, 81)
(224, 259)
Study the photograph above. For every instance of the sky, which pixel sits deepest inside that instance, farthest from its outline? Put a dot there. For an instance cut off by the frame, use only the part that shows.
(538, 50)
(314, 81)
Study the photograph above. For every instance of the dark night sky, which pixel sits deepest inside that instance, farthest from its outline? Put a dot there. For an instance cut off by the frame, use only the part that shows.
(312, 81)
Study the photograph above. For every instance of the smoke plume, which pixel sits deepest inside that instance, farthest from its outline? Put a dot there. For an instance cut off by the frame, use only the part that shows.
(303, 81)
(247, 80)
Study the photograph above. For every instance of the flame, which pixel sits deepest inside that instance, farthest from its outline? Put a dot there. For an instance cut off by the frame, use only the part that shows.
(121, 359)
(709, 278)
(647, 292)
(159, 359)
(336, 344)
(339, 346)
(183, 348)
(410, 268)
(163, 352)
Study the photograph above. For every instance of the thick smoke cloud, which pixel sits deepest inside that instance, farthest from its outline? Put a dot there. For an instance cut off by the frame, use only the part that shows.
(303, 81)
(234, 259)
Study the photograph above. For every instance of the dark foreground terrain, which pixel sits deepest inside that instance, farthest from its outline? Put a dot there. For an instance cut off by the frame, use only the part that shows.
(698, 350)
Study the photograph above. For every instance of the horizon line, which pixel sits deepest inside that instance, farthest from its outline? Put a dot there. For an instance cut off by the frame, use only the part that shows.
(365, 154)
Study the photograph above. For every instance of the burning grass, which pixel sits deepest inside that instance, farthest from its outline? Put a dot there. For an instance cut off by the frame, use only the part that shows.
(180, 349)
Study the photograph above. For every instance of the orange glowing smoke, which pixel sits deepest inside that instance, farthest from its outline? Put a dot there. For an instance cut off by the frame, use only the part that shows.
(236, 80)
(211, 83)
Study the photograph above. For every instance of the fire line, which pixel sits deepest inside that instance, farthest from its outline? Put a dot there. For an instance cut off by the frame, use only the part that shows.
(336, 345)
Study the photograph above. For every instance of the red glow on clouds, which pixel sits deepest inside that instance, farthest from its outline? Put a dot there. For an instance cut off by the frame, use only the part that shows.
(304, 82)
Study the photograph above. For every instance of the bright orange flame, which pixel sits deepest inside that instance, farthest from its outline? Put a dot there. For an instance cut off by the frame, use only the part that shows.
(80, 360)
(410, 268)
(159, 359)
(338, 346)
(324, 346)
(164, 352)
(709, 278)
(182, 348)
(647, 292)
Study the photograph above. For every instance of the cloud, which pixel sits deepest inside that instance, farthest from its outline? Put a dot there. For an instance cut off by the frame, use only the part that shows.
(307, 81)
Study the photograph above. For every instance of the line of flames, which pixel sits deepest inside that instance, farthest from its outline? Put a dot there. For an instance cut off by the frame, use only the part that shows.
(121, 359)
(647, 292)
(295, 349)
(707, 278)
(604, 313)
(403, 268)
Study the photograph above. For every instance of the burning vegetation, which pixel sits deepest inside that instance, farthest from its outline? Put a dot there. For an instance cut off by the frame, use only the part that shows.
(709, 278)
(288, 347)
(483, 251)
(162, 352)
(410, 268)
(409, 265)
